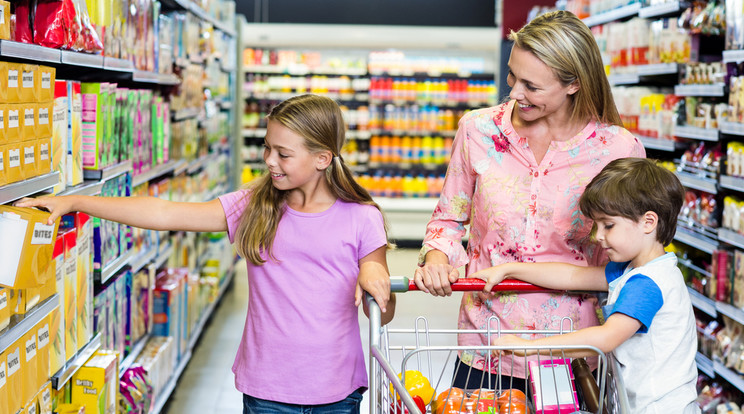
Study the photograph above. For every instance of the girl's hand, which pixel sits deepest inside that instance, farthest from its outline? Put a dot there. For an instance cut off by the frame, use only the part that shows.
(377, 284)
(436, 278)
(57, 206)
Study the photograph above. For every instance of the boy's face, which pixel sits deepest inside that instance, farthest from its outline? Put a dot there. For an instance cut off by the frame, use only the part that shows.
(620, 237)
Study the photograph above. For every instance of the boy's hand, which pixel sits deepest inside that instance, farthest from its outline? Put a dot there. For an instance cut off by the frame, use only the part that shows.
(492, 276)
(377, 284)
(57, 206)
(513, 342)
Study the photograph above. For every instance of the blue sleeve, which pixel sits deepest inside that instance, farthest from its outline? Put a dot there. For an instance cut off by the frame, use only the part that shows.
(640, 299)
(614, 270)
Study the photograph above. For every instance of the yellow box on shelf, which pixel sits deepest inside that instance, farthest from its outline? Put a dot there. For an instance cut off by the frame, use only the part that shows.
(27, 246)
(96, 384)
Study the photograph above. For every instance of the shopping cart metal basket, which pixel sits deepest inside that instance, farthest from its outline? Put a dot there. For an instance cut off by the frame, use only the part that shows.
(395, 353)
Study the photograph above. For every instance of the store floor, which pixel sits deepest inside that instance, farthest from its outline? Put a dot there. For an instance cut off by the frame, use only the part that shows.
(207, 387)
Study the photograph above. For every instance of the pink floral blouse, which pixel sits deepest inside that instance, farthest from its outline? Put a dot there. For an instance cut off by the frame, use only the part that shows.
(519, 211)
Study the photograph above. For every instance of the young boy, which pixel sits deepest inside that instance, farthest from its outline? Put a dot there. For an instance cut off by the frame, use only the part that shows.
(649, 323)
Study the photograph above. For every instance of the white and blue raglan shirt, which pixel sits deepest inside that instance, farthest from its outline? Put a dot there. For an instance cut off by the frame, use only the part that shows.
(658, 362)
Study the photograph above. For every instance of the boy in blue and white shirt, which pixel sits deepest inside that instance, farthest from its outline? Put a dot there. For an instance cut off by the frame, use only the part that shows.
(649, 323)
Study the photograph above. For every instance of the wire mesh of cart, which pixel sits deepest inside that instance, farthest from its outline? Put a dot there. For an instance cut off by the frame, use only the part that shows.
(424, 360)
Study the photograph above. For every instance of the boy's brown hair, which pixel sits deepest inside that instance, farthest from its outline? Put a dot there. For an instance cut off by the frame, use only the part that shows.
(629, 187)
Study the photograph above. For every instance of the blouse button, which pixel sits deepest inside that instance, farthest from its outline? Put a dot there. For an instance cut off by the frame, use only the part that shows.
(536, 174)
(534, 197)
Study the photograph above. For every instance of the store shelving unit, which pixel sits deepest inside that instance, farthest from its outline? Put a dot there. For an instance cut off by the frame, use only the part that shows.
(82, 66)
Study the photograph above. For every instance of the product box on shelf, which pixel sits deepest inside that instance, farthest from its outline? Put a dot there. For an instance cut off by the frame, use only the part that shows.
(71, 291)
(94, 96)
(57, 354)
(95, 384)
(59, 135)
(45, 398)
(31, 368)
(3, 123)
(13, 124)
(30, 83)
(28, 121)
(83, 224)
(13, 94)
(14, 171)
(44, 113)
(169, 307)
(4, 307)
(3, 384)
(14, 383)
(48, 77)
(28, 248)
(4, 20)
(3, 166)
(74, 134)
(43, 349)
(28, 151)
(43, 156)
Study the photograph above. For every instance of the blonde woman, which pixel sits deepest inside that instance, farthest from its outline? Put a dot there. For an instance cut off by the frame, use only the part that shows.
(514, 181)
(301, 349)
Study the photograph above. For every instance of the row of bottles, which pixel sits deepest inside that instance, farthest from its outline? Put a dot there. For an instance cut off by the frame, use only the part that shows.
(432, 90)
(427, 118)
(402, 184)
(406, 149)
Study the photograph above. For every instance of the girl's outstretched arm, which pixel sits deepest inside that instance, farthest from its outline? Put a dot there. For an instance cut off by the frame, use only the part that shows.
(144, 212)
(374, 277)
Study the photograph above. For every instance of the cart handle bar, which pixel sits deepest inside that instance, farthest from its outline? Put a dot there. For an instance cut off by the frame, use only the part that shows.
(468, 284)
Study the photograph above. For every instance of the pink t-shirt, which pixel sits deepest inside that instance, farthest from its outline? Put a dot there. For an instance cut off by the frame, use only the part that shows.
(301, 342)
(520, 211)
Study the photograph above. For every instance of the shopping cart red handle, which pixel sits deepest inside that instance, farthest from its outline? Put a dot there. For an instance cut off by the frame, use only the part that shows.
(469, 284)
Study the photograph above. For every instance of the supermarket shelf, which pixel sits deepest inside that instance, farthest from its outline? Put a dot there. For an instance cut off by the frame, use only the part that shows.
(731, 311)
(23, 326)
(112, 268)
(732, 377)
(697, 241)
(623, 79)
(254, 132)
(301, 70)
(118, 65)
(15, 191)
(91, 187)
(731, 237)
(659, 144)
(165, 252)
(704, 134)
(716, 89)
(705, 365)
(154, 172)
(658, 10)
(688, 264)
(657, 69)
(69, 57)
(416, 205)
(73, 365)
(167, 390)
(25, 51)
(133, 354)
(703, 303)
(108, 172)
(142, 259)
(612, 15)
(199, 327)
(698, 183)
(732, 183)
(732, 128)
(186, 113)
(733, 56)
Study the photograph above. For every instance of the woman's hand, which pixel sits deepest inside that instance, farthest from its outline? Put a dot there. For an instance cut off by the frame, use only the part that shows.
(436, 278)
(56, 205)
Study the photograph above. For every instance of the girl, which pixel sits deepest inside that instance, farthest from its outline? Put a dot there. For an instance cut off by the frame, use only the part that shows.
(313, 239)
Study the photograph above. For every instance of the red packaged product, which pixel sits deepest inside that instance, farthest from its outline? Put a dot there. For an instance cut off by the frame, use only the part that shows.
(23, 22)
(56, 25)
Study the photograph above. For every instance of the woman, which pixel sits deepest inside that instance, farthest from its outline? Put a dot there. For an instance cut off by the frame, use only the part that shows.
(516, 175)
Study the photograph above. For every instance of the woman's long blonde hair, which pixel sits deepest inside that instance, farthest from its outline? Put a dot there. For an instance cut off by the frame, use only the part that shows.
(564, 43)
(319, 120)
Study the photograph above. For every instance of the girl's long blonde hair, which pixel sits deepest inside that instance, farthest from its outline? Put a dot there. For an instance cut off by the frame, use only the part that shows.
(319, 120)
(564, 43)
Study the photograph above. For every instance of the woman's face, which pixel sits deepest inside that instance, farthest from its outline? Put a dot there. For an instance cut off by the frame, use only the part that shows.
(535, 87)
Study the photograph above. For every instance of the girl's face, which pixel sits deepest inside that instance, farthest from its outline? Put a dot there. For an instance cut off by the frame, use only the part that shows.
(535, 87)
(290, 164)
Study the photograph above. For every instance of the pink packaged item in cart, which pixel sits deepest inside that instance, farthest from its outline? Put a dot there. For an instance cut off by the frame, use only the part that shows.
(553, 388)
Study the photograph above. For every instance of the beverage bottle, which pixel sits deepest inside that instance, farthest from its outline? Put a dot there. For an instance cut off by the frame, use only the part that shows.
(586, 384)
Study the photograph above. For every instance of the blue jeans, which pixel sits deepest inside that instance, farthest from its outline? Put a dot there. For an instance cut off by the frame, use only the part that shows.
(349, 405)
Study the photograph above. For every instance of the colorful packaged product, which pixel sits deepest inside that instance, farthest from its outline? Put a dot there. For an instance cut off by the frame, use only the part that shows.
(96, 384)
(14, 382)
(553, 388)
(13, 162)
(74, 137)
(31, 368)
(59, 135)
(43, 350)
(27, 246)
(57, 354)
(71, 291)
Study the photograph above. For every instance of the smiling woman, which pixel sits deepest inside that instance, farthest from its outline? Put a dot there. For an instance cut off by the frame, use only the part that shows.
(515, 178)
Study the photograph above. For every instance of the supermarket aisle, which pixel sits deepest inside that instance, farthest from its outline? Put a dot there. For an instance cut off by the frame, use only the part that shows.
(206, 386)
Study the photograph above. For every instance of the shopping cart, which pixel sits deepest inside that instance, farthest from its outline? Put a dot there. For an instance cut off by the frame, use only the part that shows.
(548, 373)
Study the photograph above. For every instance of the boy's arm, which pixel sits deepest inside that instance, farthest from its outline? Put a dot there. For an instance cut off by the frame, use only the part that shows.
(374, 278)
(617, 329)
(558, 276)
(144, 212)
